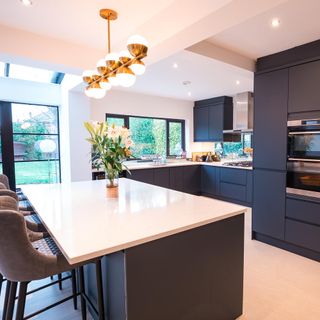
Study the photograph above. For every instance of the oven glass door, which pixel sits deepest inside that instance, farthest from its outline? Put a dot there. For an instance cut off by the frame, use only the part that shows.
(303, 175)
(304, 145)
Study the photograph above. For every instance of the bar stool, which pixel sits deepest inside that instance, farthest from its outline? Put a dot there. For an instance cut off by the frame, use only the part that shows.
(21, 263)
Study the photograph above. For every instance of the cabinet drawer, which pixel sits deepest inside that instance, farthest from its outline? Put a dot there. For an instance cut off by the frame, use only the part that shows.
(233, 191)
(303, 210)
(237, 176)
(303, 234)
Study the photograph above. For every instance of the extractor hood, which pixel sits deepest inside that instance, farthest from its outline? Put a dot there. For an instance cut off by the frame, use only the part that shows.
(242, 113)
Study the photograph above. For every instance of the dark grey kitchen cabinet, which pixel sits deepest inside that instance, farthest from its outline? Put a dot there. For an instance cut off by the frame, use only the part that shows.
(161, 177)
(209, 180)
(269, 198)
(176, 178)
(303, 234)
(192, 179)
(211, 117)
(270, 120)
(215, 127)
(142, 175)
(201, 123)
(304, 93)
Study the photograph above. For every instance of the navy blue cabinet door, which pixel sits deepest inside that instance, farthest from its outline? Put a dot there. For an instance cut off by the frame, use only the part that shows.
(269, 197)
(270, 120)
(161, 177)
(201, 123)
(192, 179)
(209, 180)
(176, 178)
(143, 175)
(216, 123)
(304, 93)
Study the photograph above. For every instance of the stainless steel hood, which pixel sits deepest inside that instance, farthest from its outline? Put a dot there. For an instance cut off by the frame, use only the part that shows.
(242, 113)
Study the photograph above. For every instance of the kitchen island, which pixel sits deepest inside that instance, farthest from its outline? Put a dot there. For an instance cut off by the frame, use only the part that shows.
(168, 254)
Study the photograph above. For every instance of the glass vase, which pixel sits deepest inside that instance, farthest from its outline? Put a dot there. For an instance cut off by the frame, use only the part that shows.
(112, 183)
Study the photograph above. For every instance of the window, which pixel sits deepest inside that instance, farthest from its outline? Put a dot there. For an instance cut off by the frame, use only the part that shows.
(16, 71)
(152, 135)
(236, 148)
(35, 131)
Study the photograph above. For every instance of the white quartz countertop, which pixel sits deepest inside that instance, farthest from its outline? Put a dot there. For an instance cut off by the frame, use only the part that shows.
(134, 165)
(86, 224)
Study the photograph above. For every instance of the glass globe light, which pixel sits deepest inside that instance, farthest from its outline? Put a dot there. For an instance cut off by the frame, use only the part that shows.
(102, 67)
(126, 77)
(113, 80)
(138, 67)
(112, 60)
(137, 46)
(125, 56)
(95, 91)
(137, 39)
(87, 75)
(105, 84)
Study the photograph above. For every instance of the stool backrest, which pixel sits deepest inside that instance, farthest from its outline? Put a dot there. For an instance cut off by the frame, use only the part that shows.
(4, 179)
(10, 193)
(19, 261)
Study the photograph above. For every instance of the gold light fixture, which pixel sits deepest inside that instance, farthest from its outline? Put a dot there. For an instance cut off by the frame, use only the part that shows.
(116, 69)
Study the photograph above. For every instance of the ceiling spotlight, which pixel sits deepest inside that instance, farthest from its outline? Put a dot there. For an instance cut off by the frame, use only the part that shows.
(237, 82)
(175, 66)
(275, 22)
(189, 94)
(26, 3)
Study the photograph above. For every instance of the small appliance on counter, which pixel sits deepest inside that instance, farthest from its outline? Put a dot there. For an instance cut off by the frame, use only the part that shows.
(205, 157)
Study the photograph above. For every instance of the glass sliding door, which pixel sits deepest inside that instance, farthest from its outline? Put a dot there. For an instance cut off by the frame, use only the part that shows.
(36, 143)
(32, 149)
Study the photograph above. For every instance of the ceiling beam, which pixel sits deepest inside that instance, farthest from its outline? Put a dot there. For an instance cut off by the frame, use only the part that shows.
(213, 51)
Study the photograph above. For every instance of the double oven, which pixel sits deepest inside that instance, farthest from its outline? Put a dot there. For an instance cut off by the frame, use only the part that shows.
(303, 165)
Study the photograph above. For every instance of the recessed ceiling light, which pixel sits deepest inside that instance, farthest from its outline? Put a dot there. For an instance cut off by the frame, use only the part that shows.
(175, 66)
(237, 82)
(26, 3)
(189, 94)
(275, 22)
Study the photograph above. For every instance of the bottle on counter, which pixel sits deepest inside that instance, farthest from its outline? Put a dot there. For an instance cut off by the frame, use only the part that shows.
(209, 157)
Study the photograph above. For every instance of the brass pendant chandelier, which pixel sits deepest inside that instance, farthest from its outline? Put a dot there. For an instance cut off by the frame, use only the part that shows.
(116, 69)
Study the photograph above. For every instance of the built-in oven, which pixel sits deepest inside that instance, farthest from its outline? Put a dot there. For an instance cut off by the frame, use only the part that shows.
(304, 140)
(303, 178)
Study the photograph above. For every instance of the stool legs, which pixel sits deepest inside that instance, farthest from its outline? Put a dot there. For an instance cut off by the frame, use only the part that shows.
(11, 301)
(99, 290)
(60, 281)
(1, 281)
(6, 298)
(82, 293)
(74, 289)
(21, 300)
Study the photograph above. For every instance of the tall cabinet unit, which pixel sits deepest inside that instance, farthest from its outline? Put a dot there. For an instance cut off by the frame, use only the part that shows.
(286, 87)
(270, 150)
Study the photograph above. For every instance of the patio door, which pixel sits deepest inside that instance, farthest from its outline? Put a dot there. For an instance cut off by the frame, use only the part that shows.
(30, 143)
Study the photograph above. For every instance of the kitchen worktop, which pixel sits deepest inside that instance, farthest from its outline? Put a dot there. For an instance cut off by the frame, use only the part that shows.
(134, 165)
(86, 223)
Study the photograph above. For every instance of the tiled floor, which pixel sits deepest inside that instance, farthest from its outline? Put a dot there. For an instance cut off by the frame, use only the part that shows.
(278, 286)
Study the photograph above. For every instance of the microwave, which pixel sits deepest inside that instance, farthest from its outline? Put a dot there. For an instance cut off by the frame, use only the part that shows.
(304, 140)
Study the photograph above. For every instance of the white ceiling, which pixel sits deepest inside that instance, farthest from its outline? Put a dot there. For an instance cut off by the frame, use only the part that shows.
(254, 38)
(78, 21)
(209, 78)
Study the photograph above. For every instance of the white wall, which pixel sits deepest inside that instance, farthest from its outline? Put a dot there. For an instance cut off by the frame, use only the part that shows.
(15, 90)
(122, 102)
(79, 112)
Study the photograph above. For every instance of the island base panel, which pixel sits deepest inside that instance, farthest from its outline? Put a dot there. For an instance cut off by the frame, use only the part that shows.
(193, 275)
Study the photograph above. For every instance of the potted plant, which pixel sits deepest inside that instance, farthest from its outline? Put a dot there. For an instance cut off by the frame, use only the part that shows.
(110, 148)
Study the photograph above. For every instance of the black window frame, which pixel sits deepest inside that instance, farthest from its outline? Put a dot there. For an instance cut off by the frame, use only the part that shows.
(7, 134)
(126, 117)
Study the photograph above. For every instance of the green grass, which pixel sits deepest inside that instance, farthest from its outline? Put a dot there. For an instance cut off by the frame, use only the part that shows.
(36, 172)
